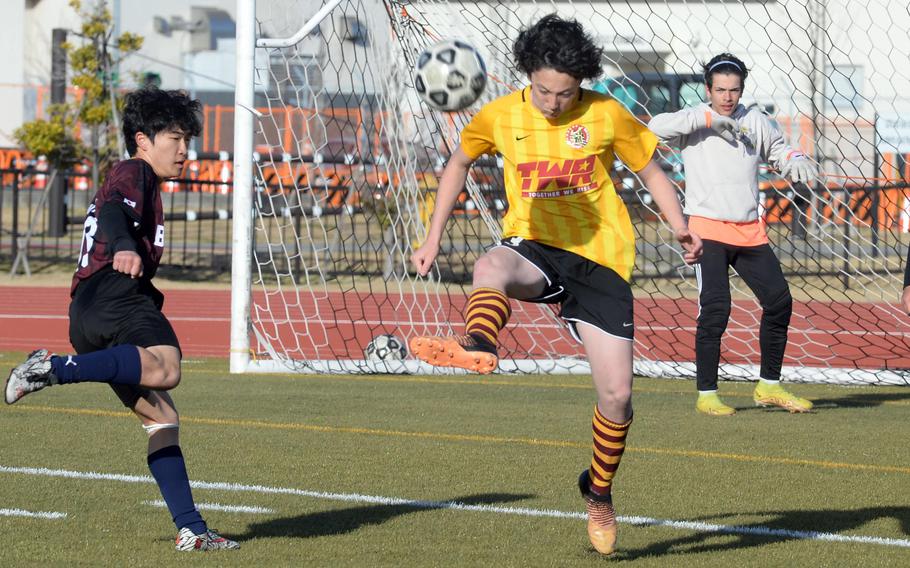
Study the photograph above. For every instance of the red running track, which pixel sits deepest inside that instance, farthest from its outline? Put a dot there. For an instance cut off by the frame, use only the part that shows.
(866, 335)
(32, 317)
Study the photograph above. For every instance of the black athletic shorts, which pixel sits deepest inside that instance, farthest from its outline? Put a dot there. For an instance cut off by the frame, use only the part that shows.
(109, 309)
(589, 292)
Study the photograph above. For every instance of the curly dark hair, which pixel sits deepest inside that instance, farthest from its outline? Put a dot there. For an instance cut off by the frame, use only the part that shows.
(151, 110)
(725, 63)
(563, 45)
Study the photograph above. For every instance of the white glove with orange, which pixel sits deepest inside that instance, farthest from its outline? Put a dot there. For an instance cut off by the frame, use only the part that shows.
(728, 128)
(799, 168)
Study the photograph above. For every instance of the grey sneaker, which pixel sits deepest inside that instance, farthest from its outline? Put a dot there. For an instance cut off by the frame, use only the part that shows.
(187, 541)
(31, 376)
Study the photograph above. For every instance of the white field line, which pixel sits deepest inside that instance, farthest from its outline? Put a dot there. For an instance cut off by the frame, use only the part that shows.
(32, 514)
(455, 505)
(65, 317)
(219, 507)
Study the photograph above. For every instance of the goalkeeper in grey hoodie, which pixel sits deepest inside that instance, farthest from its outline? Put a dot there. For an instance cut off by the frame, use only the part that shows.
(722, 144)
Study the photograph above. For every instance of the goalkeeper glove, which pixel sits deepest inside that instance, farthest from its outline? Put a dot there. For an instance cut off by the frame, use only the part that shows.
(726, 127)
(798, 168)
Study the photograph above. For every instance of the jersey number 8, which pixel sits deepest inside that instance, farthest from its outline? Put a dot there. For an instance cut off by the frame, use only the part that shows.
(88, 236)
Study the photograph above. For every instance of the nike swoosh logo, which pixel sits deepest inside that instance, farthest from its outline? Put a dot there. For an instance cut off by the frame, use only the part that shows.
(627, 324)
(519, 138)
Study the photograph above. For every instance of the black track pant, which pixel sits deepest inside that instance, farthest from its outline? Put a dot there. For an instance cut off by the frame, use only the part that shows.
(760, 270)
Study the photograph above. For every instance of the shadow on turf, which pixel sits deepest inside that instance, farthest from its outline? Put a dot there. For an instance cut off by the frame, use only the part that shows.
(340, 521)
(853, 400)
(861, 400)
(822, 521)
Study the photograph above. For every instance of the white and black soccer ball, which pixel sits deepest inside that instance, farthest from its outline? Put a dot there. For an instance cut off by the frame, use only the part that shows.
(450, 75)
(386, 347)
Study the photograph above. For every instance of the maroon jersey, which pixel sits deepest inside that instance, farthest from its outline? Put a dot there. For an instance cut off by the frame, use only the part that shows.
(133, 184)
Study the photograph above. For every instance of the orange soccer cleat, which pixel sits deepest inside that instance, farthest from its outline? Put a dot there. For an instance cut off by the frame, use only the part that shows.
(470, 352)
(601, 517)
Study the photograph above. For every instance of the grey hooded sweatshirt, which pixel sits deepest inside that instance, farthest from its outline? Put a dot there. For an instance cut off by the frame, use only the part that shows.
(722, 177)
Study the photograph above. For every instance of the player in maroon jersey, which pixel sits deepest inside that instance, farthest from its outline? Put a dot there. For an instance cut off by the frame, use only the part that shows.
(120, 335)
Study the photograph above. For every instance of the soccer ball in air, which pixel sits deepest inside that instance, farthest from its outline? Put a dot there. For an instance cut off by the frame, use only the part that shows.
(450, 75)
(386, 347)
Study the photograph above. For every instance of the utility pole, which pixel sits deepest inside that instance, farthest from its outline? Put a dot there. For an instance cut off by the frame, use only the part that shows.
(56, 222)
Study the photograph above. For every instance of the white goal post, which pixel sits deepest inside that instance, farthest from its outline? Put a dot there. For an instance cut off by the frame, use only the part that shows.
(336, 162)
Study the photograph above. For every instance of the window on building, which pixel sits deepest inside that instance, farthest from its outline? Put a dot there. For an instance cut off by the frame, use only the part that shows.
(844, 87)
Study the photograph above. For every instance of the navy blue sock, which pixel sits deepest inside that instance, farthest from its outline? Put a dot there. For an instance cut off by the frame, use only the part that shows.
(169, 470)
(118, 365)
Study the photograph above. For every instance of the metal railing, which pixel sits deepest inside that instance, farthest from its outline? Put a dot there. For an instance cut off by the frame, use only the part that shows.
(198, 222)
(814, 234)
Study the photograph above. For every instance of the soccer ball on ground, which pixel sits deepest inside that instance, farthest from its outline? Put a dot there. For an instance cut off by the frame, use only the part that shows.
(386, 347)
(450, 75)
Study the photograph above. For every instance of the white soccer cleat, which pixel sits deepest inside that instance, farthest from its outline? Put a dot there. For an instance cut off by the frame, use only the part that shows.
(31, 376)
(188, 541)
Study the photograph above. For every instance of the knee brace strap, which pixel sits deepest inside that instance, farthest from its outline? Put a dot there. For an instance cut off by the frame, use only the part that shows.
(152, 428)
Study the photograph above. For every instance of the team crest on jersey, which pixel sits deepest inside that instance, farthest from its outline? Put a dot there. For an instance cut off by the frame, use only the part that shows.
(577, 136)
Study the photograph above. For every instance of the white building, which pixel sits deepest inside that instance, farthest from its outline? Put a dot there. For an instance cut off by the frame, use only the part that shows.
(183, 45)
(189, 45)
(838, 59)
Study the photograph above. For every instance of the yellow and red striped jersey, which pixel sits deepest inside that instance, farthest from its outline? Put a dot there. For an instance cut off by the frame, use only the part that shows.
(557, 172)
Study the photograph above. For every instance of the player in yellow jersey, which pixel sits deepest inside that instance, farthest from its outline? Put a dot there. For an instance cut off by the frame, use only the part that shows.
(567, 239)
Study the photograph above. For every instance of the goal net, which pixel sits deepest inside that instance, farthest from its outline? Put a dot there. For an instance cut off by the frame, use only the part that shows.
(346, 160)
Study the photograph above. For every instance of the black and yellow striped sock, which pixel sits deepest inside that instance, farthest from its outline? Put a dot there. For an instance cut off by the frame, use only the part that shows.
(487, 312)
(609, 444)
